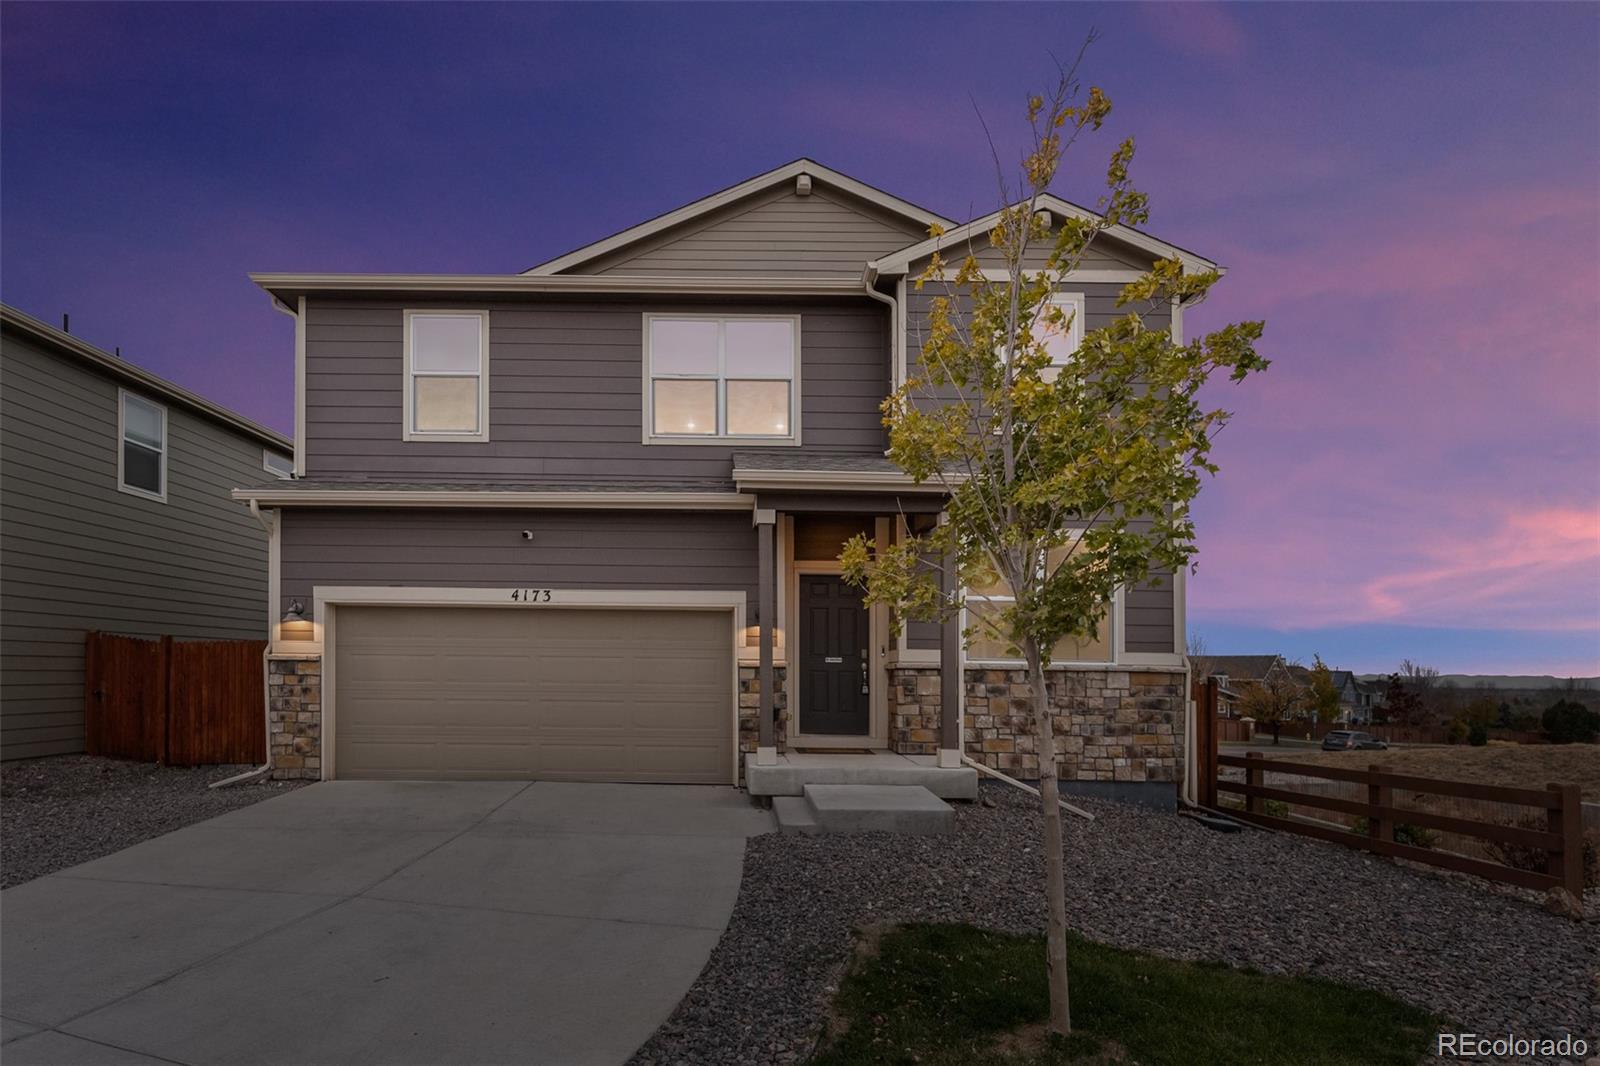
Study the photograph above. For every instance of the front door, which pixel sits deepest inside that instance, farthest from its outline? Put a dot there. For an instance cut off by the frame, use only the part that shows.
(833, 658)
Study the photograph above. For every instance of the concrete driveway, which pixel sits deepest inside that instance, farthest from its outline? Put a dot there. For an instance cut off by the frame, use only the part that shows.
(377, 922)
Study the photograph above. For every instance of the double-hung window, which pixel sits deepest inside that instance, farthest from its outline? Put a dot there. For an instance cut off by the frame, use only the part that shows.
(447, 376)
(142, 461)
(1061, 340)
(710, 378)
(991, 595)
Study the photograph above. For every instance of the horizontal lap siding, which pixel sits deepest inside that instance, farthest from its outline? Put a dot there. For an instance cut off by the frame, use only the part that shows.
(485, 549)
(79, 555)
(1150, 611)
(566, 393)
(773, 234)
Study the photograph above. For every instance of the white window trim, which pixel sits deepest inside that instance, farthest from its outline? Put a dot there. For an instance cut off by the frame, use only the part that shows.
(266, 464)
(122, 443)
(648, 434)
(409, 415)
(1073, 301)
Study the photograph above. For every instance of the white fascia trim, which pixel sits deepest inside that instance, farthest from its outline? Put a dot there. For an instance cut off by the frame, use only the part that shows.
(838, 481)
(707, 204)
(899, 262)
(271, 496)
(476, 284)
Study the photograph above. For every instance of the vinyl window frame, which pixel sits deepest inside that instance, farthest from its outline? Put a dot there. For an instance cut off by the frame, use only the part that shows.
(721, 437)
(266, 464)
(123, 396)
(409, 415)
(1075, 302)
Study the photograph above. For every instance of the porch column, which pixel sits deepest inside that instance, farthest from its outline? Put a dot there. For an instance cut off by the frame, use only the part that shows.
(766, 578)
(952, 685)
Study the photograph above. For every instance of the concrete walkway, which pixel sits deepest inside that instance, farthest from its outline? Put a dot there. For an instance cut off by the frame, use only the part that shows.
(378, 922)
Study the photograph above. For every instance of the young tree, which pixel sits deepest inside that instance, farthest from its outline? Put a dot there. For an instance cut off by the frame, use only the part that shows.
(1063, 481)
(1400, 704)
(1323, 697)
(1199, 657)
(1274, 700)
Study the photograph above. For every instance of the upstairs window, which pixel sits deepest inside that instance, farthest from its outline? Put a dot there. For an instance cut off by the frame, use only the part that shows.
(447, 376)
(719, 378)
(1061, 341)
(142, 462)
(279, 466)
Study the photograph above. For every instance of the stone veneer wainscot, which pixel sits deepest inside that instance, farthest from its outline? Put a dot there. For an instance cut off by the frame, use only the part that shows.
(294, 713)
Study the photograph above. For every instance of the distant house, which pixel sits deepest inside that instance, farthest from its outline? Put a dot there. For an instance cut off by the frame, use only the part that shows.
(1237, 673)
(115, 515)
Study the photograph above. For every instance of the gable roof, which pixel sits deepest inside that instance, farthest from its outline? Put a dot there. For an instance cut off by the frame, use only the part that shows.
(750, 187)
(63, 343)
(899, 262)
(1242, 667)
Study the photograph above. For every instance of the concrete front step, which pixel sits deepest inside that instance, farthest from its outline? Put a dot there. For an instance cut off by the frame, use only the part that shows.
(879, 808)
(791, 775)
(794, 815)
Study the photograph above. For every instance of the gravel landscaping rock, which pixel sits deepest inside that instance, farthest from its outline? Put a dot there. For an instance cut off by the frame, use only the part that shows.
(1136, 878)
(59, 811)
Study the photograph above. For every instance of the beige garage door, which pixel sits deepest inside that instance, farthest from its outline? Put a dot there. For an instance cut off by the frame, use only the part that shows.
(576, 695)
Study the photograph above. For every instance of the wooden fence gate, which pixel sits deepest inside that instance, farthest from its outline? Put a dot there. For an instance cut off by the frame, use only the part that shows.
(185, 703)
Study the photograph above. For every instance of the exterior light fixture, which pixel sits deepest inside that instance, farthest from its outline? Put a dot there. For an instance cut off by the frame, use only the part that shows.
(296, 626)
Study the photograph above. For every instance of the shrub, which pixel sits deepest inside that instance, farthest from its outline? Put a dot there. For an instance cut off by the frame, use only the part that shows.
(1537, 860)
(1404, 833)
(1478, 735)
(1456, 731)
(1566, 722)
(1275, 808)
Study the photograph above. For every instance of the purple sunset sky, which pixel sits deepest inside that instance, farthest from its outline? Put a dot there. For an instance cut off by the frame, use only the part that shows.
(1407, 194)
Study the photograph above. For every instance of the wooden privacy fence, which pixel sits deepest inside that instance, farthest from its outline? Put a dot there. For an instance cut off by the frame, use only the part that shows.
(1558, 807)
(185, 703)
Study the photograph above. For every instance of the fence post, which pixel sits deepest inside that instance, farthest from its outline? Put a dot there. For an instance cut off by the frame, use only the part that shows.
(1379, 794)
(1254, 778)
(1567, 820)
(163, 743)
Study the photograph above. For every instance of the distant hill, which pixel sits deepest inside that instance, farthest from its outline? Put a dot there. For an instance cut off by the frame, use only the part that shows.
(1525, 682)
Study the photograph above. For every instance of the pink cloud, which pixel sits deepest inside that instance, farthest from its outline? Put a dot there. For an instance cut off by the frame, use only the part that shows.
(1195, 29)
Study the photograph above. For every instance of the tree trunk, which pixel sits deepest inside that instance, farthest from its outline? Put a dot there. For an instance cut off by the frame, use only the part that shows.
(1055, 882)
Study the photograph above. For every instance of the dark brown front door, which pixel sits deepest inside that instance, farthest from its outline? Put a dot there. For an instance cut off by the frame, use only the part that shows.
(833, 657)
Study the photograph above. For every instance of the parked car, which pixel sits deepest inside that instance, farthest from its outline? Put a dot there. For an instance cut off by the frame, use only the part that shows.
(1350, 740)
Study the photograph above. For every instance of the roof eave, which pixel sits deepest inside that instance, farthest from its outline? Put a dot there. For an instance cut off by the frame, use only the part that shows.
(129, 373)
(749, 187)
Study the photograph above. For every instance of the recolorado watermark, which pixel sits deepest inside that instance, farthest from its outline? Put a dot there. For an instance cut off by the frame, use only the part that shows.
(1510, 1046)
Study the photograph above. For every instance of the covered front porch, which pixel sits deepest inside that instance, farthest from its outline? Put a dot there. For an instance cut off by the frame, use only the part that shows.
(829, 694)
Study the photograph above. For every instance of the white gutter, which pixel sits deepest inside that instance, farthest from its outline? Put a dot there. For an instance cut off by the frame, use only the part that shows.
(869, 279)
(554, 283)
(270, 496)
(266, 722)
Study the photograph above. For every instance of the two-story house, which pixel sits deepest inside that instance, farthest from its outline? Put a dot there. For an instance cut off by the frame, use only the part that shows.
(114, 516)
(583, 522)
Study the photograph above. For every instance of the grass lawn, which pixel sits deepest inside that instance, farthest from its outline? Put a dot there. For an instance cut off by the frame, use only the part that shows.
(1520, 765)
(942, 995)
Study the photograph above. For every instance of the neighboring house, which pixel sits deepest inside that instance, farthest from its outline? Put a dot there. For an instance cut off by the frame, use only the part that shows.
(1237, 673)
(583, 522)
(114, 515)
(1353, 706)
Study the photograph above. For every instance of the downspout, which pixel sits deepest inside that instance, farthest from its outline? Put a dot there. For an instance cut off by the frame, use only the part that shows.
(266, 691)
(869, 281)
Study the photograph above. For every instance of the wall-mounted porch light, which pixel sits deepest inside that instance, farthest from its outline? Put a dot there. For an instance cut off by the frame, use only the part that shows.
(295, 625)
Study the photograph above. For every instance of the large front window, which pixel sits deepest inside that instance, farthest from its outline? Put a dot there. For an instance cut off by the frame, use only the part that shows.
(721, 377)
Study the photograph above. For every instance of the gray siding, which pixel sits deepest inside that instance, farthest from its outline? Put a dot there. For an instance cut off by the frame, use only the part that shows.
(485, 549)
(774, 234)
(1150, 610)
(1104, 253)
(566, 393)
(80, 555)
